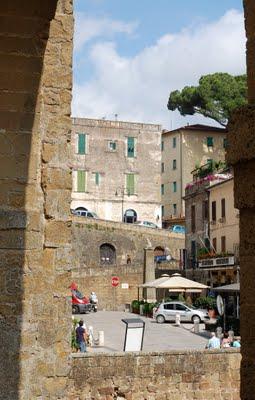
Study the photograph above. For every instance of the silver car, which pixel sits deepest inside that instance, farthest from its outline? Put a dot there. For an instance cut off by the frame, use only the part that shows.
(167, 312)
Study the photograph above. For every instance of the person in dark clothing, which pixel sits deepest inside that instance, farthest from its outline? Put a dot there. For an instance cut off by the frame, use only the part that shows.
(81, 333)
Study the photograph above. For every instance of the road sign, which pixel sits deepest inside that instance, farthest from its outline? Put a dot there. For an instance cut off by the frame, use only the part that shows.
(115, 281)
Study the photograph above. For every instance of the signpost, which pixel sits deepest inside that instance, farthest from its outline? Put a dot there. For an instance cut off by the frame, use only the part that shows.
(115, 282)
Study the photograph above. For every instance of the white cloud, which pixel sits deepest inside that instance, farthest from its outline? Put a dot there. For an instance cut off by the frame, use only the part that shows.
(87, 28)
(137, 88)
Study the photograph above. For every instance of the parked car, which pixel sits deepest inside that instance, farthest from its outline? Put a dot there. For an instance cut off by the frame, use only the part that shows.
(177, 229)
(167, 312)
(147, 224)
(85, 213)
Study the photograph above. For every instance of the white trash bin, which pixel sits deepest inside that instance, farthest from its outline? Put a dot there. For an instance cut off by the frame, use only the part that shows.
(178, 319)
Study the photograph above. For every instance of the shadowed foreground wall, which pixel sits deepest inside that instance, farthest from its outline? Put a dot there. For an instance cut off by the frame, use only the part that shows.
(35, 191)
(204, 375)
(241, 154)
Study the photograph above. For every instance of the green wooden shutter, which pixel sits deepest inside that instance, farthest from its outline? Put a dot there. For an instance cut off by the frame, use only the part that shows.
(130, 184)
(131, 147)
(81, 181)
(97, 177)
(81, 143)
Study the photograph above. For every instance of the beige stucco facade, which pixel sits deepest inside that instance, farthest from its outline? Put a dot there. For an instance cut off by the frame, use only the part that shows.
(182, 150)
(227, 226)
(106, 166)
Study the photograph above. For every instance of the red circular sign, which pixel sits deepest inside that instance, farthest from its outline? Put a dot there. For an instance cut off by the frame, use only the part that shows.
(115, 281)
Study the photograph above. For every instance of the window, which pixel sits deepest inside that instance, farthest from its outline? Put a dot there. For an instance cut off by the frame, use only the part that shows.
(223, 244)
(193, 219)
(162, 211)
(162, 167)
(174, 209)
(174, 164)
(214, 211)
(180, 307)
(107, 254)
(162, 190)
(205, 210)
(168, 307)
(81, 181)
(223, 208)
(209, 141)
(214, 242)
(131, 147)
(112, 145)
(207, 243)
(82, 139)
(174, 142)
(162, 145)
(225, 143)
(97, 178)
(174, 187)
(130, 183)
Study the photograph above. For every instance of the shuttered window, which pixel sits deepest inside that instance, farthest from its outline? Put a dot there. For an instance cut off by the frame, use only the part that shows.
(223, 244)
(193, 219)
(81, 181)
(214, 211)
(81, 143)
(130, 183)
(130, 146)
(97, 178)
(223, 208)
(209, 141)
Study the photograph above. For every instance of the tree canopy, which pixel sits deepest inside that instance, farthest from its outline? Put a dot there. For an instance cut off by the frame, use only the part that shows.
(216, 96)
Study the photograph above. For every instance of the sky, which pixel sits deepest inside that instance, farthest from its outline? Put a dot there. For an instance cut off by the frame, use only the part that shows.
(130, 54)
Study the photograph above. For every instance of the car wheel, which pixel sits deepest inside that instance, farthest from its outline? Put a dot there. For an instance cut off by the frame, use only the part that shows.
(196, 318)
(75, 309)
(160, 319)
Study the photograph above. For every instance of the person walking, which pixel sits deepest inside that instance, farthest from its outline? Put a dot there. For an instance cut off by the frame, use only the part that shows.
(213, 342)
(81, 335)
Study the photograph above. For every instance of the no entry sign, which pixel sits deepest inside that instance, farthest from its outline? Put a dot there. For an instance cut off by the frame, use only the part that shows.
(115, 281)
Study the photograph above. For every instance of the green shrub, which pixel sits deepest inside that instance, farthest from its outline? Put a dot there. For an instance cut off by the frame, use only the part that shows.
(135, 305)
(205, 302)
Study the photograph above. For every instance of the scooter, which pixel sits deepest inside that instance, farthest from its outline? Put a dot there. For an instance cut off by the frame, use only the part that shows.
(93, 301)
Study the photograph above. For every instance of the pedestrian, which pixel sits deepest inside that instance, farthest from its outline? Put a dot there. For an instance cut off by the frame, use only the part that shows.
(236, 343)
(81, 336)
(226, 341)
(213, 342)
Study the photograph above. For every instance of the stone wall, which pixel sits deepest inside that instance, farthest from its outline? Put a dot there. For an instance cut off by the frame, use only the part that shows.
(35, 183)
(174, 375)
(241, 154)
(127, 239)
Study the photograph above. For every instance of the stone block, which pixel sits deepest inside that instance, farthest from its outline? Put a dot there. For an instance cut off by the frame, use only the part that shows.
(241, 138)
(52, 233)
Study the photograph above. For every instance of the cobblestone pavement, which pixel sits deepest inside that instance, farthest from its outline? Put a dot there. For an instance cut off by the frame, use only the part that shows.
(157, 337)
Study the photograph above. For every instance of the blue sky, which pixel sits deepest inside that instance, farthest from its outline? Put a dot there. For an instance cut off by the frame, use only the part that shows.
(130, 54)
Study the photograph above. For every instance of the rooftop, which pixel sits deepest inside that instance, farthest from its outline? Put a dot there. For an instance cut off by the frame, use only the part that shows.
(104, 123)
(197, 127)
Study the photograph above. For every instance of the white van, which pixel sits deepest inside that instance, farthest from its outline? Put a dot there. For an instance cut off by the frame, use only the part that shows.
(85, 213)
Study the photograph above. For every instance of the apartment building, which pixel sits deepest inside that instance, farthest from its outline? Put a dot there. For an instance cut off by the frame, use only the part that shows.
(212, 230)
(183, 150)
(116, 169)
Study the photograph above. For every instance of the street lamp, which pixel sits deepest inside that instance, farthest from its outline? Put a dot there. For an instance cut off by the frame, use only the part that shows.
(122, 191)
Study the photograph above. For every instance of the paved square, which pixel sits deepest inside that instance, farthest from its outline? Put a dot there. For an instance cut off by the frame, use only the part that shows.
(157, 337)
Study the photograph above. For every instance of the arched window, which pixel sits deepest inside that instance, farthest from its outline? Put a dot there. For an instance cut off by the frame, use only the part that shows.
(107, 254)
(130, 216)
(159, 251)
